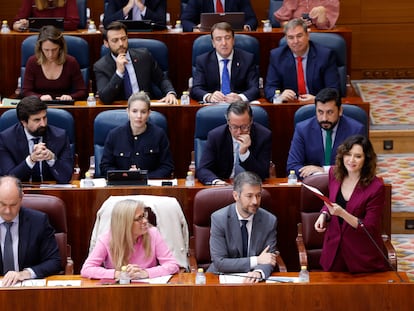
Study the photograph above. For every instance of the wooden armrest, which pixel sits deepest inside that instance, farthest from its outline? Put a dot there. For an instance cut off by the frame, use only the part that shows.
(69, 262)
(192, 261)
(303, 257)
(280, 263)
(392, 255)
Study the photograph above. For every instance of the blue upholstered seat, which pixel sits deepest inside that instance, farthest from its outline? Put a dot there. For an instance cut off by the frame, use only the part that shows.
(209, 117)
(57, 117)
(77, 47)
(109, 119)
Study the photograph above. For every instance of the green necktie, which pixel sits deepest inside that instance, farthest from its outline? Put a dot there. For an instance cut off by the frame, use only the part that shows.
(328, 147)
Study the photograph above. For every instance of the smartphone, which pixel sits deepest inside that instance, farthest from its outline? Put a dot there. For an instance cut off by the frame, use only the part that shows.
(306, 16)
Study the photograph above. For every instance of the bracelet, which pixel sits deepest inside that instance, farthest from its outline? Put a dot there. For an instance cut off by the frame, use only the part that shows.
(30, 157)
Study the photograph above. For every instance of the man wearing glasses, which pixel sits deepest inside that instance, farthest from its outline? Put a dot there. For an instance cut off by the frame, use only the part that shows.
(225, 74)
(240, 145)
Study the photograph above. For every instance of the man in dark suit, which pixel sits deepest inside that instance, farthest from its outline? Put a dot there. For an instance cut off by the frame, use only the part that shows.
(125, 71)
(191, 15)
(32, 150)
(307, 154)
(243, 235)
(29, 249)
(244, 77)
(317, 64)
(239, 145)
(154, 10)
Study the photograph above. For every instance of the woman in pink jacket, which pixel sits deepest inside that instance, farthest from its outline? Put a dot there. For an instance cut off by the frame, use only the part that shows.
(131, 242)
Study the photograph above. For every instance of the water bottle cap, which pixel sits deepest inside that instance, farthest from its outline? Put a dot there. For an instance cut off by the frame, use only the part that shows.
(303, 267)
(200, 270)
(292, 171)
(90, 94)
(189, 173)
(123, 268)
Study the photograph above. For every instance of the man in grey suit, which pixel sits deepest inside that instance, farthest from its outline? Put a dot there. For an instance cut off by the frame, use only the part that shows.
(125, 71)
(230, 251)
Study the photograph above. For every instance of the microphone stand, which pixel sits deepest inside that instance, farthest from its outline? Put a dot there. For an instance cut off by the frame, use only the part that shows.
(379, 249)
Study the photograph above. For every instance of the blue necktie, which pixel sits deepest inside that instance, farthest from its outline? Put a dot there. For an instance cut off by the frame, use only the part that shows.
(225, 78)
(36, 173)
(245, 237)
(127, 85)
(8, 258)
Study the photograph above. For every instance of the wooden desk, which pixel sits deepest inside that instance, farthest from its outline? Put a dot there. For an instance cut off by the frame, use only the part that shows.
(179, 52)
(326, 291)
(83, 203)
(181, 125)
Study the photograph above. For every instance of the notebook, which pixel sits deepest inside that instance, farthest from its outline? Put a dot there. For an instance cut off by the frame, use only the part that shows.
(235, 19)
(126, 177)
(142, 25)
(35, 23)
(57, 102)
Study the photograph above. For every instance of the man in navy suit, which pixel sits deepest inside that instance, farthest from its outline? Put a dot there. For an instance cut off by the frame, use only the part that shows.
(244, 76)
(34, 252)
(318, 66)
(133, 67)
(32, 150)
(307, 150)
(239, 145)
(154, 10)
(191, 15)
(256, 255)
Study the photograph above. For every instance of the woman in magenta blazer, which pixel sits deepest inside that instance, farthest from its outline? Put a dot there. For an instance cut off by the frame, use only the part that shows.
(359, 201)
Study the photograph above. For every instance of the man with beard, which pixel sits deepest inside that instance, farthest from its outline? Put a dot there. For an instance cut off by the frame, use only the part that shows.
(308, 152)
(301, 68)
(243, 235)
(125, 71)
(32, 150)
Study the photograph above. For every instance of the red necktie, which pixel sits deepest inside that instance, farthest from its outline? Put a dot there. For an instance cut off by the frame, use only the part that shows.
(301, 77)
(219, 7)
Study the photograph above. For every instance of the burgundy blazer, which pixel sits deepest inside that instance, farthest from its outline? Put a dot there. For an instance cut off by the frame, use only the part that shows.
(358, 251)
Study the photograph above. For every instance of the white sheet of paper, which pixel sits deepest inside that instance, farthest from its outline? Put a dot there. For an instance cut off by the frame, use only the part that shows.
(158, 182)
(64, 283)
(157, 280)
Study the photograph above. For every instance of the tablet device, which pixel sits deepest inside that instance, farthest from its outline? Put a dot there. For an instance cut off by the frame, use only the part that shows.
(127, 177)
(142, 25)
(35, 23)
(57, 102)
(235, 19)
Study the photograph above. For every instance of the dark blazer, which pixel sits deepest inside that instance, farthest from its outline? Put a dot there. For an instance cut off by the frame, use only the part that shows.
(307, 142)
(244, 75)
(111, 87)
(354, 245)
(156, 11)
(217, 156)
(14, 149)
(37, 248)
(191, 15)
(226, 241)
(151, 151)
(321, 70)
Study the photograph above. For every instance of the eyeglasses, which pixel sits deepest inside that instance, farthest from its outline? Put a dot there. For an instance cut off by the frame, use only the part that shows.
(243, 128)
(141, 217)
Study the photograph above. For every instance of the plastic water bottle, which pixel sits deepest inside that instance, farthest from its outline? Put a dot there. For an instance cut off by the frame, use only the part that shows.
(124, 277)
(277, 99)
(91, 100)
(5, 27)
(303, 275)
(200, 277)
(292, 178)
(192, 167)
(189, 180)
(185, 98)
(178, 26)
(267, 27)
(91, 27)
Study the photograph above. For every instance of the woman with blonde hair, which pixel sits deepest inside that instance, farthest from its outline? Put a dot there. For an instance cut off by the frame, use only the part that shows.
(47, 8)
(131, 242)
(52, 73)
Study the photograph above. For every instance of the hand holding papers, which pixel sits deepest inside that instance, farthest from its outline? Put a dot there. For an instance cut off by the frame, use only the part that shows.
(319, 194)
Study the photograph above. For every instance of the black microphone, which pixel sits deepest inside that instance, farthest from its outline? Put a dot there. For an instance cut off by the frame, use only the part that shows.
(361, 224)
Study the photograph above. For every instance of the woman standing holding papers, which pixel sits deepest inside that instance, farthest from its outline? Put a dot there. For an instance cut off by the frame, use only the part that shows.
(131, 242)
(359, 201)
(52, 73)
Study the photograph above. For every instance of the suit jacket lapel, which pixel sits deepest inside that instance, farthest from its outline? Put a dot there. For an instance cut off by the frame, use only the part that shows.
(235, 231)
(24, 236)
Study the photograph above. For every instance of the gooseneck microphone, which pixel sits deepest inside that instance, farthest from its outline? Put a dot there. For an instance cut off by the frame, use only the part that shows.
(361, 224)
